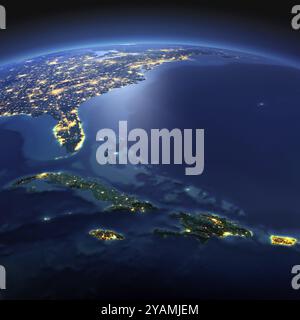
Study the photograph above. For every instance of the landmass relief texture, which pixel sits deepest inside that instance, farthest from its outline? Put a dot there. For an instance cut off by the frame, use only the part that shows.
(118, 200)
(199, 226)
(58, 84)
(205, 226)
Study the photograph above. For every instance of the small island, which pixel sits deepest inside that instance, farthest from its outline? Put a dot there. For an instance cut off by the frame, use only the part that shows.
(119, 201)
(204, 227)
(283, 241)
(106, 235)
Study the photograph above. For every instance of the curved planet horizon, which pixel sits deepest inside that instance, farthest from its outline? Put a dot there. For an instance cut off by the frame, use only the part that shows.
(246, 191)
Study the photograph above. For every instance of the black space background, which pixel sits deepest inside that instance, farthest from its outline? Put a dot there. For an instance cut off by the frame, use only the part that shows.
(33, 26)
(277, 12)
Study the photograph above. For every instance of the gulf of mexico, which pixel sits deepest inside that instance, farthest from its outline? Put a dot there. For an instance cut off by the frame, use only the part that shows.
(39, 141)
(190, 96)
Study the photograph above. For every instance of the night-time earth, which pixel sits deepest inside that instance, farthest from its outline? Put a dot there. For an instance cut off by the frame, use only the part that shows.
(71, 228)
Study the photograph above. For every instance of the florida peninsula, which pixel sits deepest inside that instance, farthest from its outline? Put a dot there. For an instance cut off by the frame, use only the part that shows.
(58, 84)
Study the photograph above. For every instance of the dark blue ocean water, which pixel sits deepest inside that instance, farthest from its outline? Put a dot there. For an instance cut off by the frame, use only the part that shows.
(250, 114)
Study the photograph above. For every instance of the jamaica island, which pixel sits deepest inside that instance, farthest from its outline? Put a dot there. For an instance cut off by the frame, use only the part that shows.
(105, 235)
